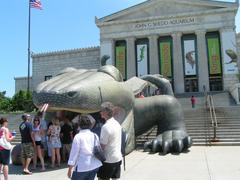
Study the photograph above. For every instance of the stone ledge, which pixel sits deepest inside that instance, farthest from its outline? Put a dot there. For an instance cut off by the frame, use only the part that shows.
(63, 52)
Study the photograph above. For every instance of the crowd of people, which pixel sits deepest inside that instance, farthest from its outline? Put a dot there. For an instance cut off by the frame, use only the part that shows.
(71, 141)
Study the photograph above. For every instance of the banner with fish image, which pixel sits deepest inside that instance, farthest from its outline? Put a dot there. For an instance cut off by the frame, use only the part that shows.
(166, 58)
(142, 59)
(121, 60)
(229, 53)
(189, 57)
(214, 58)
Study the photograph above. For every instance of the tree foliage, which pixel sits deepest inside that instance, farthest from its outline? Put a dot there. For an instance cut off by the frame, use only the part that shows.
(21, 101)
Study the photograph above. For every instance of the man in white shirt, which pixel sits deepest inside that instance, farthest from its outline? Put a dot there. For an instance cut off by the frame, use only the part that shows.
(110, 140)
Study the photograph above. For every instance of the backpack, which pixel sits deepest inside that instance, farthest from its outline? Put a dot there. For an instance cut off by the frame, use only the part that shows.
(123, 146)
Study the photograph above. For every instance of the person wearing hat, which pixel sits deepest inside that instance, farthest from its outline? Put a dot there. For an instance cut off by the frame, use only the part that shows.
(5, 153)
(27, 143)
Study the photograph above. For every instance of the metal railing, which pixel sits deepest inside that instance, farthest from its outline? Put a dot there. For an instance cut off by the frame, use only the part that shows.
(214, 122)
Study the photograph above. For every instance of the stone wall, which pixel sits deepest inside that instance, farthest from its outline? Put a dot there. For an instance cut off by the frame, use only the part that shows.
(21, 83)
(47, 65)
(50, 64)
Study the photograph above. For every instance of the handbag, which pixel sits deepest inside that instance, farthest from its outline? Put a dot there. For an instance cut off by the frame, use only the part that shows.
(98, 151)
(4, 143)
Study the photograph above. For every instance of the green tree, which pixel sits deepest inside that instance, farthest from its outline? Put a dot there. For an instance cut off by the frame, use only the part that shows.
(22, 101)
(6, 104)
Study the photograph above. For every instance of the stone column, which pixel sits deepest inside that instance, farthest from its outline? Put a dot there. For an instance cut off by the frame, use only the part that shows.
(113, 52)
(131, 57)
(178, 63)
(107, 48)
(153, 55)
(203, 74)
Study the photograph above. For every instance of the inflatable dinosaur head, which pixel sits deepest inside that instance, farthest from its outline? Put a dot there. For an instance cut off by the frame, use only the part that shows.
(83, 91)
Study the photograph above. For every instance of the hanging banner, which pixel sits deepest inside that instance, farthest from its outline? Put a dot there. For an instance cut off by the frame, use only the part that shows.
(214, 58)
(190, 57)
(142, 60)
(121, 60)
(229, 53)
(166, 59)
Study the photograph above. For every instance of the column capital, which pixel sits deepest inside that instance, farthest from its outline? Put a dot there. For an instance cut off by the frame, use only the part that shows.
(106, 40)
(200, 31)
(176, 34)
(133, 38)
(227, 29)
(153, 36)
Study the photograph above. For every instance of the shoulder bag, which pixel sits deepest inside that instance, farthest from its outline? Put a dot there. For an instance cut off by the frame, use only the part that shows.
(97, 150)
(4, 143)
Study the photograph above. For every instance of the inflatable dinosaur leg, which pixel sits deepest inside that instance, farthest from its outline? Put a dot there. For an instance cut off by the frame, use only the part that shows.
(165, 112)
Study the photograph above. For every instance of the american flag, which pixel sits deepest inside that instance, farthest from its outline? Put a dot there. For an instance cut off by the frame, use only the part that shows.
(36, 4)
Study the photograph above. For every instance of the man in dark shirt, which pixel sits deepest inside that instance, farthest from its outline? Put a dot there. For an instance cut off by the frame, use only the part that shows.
(27, 143)
(66, 138)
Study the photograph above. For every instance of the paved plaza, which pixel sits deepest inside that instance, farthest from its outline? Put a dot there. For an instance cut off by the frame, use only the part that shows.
(201, 163)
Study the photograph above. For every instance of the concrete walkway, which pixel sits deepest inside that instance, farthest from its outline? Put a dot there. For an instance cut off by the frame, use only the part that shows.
(201, 163)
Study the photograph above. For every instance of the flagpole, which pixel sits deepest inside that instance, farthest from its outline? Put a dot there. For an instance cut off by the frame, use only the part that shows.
(29, 51)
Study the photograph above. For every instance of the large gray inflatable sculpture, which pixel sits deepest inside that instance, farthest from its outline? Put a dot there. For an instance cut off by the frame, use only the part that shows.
(83, 91)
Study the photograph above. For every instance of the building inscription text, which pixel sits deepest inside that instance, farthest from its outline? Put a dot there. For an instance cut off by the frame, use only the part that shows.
(158, 24)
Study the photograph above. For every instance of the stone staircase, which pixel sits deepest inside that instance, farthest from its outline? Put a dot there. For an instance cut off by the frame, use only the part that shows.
(198, 121)
(199, 126)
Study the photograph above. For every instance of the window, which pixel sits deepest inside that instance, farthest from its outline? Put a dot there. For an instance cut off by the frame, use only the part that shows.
(47, 77)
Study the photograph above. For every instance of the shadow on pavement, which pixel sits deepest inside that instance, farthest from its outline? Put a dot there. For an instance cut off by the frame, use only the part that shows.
(17, 170)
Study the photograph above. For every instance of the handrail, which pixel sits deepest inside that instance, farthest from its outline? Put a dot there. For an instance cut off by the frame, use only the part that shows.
(207, 133)
(212, 116)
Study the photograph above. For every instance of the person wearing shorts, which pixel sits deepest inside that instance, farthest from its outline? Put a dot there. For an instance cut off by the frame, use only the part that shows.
(5, 153)
(37, 137)
(43, 127)
(54, 138)
(27, 143)
(110, 140)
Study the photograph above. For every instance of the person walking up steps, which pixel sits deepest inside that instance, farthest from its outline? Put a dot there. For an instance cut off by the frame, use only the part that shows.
(193, 101)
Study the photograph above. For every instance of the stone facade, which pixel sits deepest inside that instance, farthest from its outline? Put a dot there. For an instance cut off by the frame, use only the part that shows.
(150, 22)
(48, 65)
(21, 83)
(154, 19)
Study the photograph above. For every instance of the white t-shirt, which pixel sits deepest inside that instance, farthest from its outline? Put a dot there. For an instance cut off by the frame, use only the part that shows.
(36, 130)
(111, 135)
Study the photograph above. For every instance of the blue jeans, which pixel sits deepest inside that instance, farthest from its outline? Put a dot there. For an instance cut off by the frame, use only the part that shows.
(88, 175)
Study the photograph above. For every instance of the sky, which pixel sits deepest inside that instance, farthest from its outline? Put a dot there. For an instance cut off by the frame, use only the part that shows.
(61, 25)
